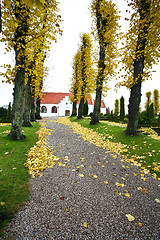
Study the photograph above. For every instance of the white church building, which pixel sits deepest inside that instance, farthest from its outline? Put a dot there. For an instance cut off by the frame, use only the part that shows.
(59, 105)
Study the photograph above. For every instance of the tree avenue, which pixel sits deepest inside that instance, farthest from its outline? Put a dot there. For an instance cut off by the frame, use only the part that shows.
(105, 17)
(141, 51)
(29, 31)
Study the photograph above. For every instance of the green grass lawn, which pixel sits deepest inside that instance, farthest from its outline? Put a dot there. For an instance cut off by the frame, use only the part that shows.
(14, 178)
(141, 145)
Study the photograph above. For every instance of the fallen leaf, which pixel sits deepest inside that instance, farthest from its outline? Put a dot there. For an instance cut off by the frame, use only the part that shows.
(2, 203)
(157, 200)
(86, 225)
(116, 192)
(62, 198)
(106, 182)
(95, 176)
(140, 224)
(67, 210)
(130, 217)
(143, 190)
(120, 185)
(127, 194)
(81, 175)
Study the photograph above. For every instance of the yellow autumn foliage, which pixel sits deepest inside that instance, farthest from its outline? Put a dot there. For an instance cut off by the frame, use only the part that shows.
(40, 156)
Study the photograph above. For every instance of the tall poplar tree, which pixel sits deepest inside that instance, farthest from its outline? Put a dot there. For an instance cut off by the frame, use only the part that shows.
(141, 51)
(76, 80)
(148, 102)
(105, 17)
(87, 76)
(116, 105)
(122, 108)
(156, 101)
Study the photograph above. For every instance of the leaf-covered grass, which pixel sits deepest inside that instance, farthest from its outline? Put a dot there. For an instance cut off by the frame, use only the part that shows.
(140, 145)
(14, 178)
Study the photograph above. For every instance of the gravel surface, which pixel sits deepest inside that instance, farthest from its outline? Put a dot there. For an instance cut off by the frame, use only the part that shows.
(62, 200)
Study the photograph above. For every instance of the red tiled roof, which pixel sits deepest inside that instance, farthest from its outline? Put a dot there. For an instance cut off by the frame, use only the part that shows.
(53, 98)
(102, 104)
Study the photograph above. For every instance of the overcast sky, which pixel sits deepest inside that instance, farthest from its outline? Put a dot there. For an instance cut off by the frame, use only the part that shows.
(77, 19)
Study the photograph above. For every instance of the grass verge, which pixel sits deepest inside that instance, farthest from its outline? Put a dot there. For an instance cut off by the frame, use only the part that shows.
(138, 146)
(14, 177)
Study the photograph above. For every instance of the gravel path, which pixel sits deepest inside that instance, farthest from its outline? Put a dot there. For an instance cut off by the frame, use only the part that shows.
(62, 200)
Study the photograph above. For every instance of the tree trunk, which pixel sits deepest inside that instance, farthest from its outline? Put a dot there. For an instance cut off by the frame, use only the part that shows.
(99, 84)
(33, 117)
(38, 106)
(74, 109)
(101, 68)
(80, 109)
(97, 106)
(135, 93)
(27, 110)
(18, 100)
(133, 109)
(21, 14)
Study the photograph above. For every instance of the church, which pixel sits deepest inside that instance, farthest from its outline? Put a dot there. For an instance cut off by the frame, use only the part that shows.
(55, 104)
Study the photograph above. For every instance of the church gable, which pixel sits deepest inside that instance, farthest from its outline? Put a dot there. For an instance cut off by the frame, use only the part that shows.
(58, 104)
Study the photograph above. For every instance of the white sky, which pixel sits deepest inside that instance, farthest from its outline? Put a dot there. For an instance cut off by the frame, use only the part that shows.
(77, 19)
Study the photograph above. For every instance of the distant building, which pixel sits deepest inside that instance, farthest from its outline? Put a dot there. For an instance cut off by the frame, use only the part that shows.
(59, 105)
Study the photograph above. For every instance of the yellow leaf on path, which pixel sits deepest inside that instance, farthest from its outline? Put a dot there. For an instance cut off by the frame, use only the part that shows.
(86, 225)
(130, 217)
(95, 176)
(67, 210)
(140, 224)
(116, 192)
(81, 175)
(157, 200)
(120, 185)
(127, 194)
(106, 182)
(90, 166)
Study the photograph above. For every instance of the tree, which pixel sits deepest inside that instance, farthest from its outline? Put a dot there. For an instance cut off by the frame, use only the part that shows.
(20, 31)
(85, 108)
(105, 17)
(148, 102)
(140, 53)
(122, 108)
(29, 3)
(0, 18)
(116, 105)
(8, 117)
(156, 101)
(87, 80)
(22, 17)
(76, 80)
